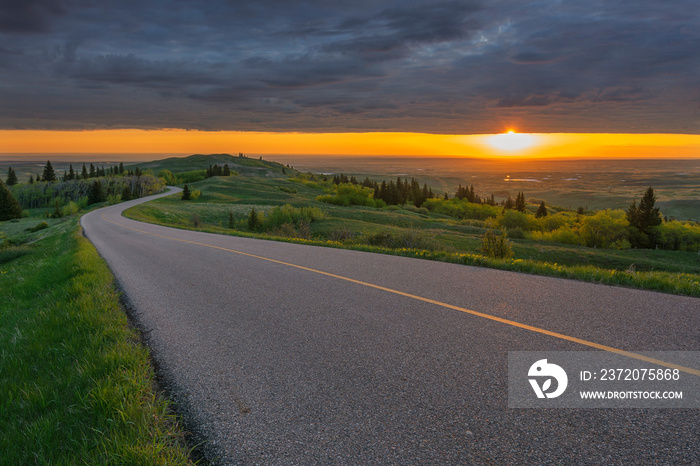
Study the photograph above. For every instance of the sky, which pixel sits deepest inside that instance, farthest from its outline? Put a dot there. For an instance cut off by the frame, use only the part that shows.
(275, 67)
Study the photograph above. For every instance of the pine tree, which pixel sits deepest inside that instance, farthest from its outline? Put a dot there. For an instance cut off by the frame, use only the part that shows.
(95, 195)
(230, 219)
(649, 215)
(186, 193)
(84, 173)
(11, 177)
(9, 207)
(71, 172)
(31, 179)
(643, 219)
(227, 170)
(520, 202)
(509, 204)
(253, 221)
(121, 167)
(126, 193)
(49, 174)
(541, 211)
(92, 171)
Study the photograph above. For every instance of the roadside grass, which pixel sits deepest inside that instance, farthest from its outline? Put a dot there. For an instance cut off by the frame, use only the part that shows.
(76, 384)
(411, 232)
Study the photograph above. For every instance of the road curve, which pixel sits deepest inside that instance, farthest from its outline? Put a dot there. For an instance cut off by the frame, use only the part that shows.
(282, 353)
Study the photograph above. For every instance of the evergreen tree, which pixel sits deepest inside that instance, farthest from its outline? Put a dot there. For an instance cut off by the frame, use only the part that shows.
(509, 204)
(649, 215)
(253, 221)
(541, 211)
(642, 219)
(95, 195)
(230, 219)
(520, 202)
(11, 177)
(138, 172)
(71, 172)
(84, 173)
(186, 193)
(31, 179)
(126, 193)
(49, 174)
(227, 170)
(9, 207)
(92, 171)
(121, 167)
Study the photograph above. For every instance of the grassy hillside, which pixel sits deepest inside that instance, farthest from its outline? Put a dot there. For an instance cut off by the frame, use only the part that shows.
(76, 384)
(241, 164)
(225, 205)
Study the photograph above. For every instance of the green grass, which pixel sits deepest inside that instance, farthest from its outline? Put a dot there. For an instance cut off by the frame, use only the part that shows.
(411, 232)
(241, 165)
(76, 384)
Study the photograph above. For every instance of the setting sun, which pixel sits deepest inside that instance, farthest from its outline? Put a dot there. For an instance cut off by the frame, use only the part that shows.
(511, 141)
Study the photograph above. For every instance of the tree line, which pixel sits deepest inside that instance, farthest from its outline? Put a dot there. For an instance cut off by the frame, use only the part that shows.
(90, 186)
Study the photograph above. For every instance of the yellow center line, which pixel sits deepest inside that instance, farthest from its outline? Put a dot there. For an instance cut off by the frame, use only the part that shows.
(512, 323)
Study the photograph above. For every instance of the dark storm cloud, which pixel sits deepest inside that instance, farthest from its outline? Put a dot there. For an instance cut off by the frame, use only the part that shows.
(452, 66)
(28, 16)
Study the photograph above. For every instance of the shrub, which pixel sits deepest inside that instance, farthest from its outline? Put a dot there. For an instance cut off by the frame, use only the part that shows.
(340, 235)
(565, 234)
(409, 239)
(168, 177)
(496, 246)
(678, 236)
(192, 176)
(38, 226)
(461, 208)
(196, 221)
(604, 228)
(347, 194)
(512, 219)
(278, 216)
(516, 233)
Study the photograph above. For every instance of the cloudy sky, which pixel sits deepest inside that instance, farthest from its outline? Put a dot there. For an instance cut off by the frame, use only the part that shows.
(453, 67)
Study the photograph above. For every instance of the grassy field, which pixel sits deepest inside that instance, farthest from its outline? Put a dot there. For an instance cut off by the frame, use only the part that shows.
(413, 232)
(76, 384)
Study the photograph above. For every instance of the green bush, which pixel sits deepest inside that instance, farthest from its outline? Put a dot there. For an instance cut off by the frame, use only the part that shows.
(347, 194)
(38, 226)
(461, 208)
(512, 219)
(192, 176)
(604, 228)
(678, 236)
(496, 246)
(402, 239)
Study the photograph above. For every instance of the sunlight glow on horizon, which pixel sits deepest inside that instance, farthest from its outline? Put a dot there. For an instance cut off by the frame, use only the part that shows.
(512, 141)
(505, 145)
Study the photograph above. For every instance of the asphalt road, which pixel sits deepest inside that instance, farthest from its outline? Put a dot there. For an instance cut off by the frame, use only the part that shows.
(281, 353)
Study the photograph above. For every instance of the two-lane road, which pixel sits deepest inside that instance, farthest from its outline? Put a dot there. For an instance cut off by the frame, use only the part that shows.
(282, 353)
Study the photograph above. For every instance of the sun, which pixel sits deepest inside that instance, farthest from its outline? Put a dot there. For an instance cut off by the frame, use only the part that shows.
(511, 141)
